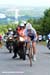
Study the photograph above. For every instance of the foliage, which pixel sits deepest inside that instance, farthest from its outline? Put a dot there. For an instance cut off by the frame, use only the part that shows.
(46, 22)
(41, 25)
(4, 28)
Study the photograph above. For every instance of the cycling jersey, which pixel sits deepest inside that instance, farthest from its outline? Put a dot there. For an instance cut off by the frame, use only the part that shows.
(31, 34)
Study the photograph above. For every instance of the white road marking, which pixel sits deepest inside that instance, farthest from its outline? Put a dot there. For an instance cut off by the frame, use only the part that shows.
(13, 72)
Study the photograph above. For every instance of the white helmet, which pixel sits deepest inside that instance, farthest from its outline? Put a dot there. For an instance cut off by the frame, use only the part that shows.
(10, 29)
(22, 24)
(29, 26)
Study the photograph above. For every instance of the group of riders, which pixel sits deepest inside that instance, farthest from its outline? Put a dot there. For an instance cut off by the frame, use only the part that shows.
(27, 34)
(23, 37)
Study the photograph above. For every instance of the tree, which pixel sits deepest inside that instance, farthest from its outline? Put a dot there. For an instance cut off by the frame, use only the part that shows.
(46, 22)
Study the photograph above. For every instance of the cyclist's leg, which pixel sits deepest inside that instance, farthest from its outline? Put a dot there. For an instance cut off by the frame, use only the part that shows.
(34, 50)
(27, 45)
(15, 54)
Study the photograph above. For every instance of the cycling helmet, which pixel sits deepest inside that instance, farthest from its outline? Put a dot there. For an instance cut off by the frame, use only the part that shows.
(29, 26)
(22, 25)
(10, 29)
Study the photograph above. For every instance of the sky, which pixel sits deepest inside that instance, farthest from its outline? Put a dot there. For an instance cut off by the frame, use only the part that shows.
(24, 3)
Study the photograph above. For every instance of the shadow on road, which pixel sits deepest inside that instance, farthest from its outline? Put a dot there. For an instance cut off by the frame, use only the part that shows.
(46, 53)
(4, 52)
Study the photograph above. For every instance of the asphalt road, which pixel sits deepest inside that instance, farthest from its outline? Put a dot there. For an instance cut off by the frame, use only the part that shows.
(9, 66)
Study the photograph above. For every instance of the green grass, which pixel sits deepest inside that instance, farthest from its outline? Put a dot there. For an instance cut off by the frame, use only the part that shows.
(42, 43)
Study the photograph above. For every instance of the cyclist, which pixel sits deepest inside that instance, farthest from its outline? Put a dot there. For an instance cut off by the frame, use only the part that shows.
(31, 34)
(20, 32)
(10, 31)
(9, 34)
